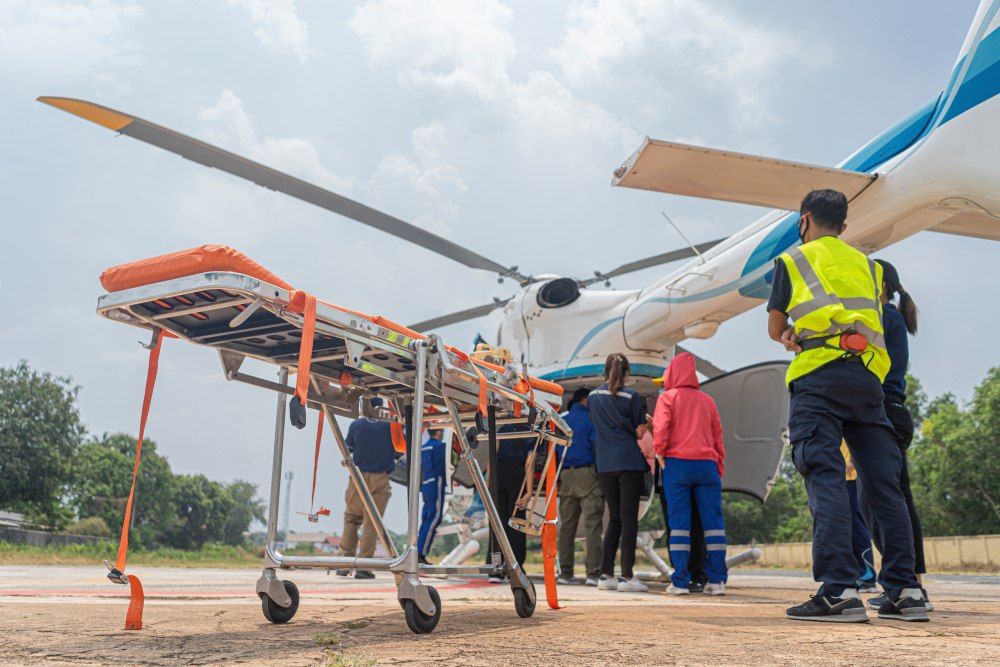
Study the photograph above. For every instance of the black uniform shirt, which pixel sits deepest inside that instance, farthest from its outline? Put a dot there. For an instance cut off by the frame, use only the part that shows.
(781, 288)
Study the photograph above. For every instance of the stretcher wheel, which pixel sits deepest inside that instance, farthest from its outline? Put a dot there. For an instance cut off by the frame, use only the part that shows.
(523, 604)
(274, 612)
(419, 622)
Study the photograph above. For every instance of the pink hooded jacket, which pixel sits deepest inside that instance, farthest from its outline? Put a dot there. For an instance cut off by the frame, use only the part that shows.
(686, 423)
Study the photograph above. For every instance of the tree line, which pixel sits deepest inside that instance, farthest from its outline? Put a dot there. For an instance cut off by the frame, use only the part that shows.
(954, 464)
(61, 477)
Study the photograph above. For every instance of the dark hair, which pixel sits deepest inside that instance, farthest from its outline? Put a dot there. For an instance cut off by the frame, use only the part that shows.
(615, 370)
(828, 208)
(580, 394)
(435, 433)
(906, 305)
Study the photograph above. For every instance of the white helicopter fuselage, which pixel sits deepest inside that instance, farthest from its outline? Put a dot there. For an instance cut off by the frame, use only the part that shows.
(938, 168)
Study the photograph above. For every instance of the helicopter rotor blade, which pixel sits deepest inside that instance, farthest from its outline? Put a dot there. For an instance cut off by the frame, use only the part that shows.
(460, 316)
(655, 260)
(217, 158)
(702, 365)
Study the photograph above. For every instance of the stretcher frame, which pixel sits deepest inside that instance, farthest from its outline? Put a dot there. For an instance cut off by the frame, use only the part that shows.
(347, 342)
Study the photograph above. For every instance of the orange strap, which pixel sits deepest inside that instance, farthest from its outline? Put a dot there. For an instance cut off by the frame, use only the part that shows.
(398, 439)
(482, 388)
(319, 439)
(133, 617)
(549, 539)
(305, 303)
(154, 360)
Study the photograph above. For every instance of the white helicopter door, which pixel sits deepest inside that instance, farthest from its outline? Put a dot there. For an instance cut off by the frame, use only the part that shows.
(753, 405)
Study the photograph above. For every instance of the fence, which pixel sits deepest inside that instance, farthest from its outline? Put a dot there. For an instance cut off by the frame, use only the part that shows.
(975, 552)
(39, 538)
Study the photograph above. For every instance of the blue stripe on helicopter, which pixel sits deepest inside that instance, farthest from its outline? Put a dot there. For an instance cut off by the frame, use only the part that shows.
(981, 82)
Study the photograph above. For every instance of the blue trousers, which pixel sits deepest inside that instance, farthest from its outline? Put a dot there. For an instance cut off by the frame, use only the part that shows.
(432, 492)
(861, 539)
(681, 479)
(843, 399)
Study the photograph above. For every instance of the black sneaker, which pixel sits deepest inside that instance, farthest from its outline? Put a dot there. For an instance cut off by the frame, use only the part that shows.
(877, 601)
(830, 609)
(343, 573)
(364, 574)
(910, 606)
(696, 587)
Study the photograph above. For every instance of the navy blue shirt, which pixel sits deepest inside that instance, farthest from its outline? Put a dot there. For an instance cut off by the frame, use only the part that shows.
(515, 449)
(370, 444)
(615, 418)
(898, 347)
(581, 450)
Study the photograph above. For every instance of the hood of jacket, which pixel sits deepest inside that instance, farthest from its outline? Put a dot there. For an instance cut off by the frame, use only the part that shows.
(681, 373)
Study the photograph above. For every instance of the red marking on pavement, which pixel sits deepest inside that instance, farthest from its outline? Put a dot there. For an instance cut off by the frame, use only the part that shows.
(193, 592)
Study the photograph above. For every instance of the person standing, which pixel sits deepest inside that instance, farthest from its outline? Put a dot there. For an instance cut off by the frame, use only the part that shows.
(432, 468)
(898, 322)
(580, 494)
(861, 538)
(370, 444)
(831, 293)
(515, 459)
(619, 421)
(687, 437)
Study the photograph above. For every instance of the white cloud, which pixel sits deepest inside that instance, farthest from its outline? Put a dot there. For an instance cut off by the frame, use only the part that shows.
(54, 42)
(228, 123)
(610, 40)
(463, 44)
(466, 47)
(279, 27)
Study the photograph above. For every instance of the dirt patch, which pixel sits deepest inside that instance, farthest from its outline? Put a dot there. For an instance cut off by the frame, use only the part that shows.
(746, 627)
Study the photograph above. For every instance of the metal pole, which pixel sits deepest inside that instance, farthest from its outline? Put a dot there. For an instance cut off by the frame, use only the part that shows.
(279, 443)
(493, 477)
(416, 433)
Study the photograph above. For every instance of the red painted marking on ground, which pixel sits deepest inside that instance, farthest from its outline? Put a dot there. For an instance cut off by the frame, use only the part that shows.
(347, 591)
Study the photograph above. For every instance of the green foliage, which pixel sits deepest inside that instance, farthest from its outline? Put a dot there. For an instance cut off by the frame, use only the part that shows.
(247, 508)
(202, 509)
(783, 518)
(101, 482)
(40, 432)
(213, 555)
(916, 399)
(94, 526)
(954, 463)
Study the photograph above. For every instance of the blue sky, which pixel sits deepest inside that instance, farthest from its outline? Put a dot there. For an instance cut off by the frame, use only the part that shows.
(496, 123)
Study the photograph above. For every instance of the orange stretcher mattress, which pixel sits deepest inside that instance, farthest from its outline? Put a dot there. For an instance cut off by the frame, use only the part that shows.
(209, 258)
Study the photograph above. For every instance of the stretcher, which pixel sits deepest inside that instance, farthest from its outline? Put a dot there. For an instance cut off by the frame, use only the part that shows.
(346, 363)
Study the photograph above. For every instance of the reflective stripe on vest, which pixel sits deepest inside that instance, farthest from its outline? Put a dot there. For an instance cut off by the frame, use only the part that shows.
(847, 302)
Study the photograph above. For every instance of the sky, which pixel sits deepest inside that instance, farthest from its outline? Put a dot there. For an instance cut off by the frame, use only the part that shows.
(495, 123)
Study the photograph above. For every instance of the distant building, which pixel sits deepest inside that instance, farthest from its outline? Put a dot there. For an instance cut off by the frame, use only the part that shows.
(11, 519)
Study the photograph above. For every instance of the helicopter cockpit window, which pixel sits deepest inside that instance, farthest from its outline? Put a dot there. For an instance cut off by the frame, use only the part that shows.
(558, 293)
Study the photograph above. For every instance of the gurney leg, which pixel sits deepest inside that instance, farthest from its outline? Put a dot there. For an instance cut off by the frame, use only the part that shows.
(421, 603)
(518, 579)
(269, 585)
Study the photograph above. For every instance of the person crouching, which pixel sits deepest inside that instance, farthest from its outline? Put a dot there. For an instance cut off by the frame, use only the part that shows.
(687, 439)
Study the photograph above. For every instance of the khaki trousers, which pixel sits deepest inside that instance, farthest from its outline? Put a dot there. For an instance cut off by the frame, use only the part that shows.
(355, 515)
(580, 494)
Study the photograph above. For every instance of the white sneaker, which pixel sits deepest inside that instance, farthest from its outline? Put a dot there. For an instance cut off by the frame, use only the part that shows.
(496, 579)
(590, 582)
(674, 590)
(715, 589)
(606, 583)
(632, 585)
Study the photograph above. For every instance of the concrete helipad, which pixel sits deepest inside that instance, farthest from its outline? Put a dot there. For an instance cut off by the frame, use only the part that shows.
(74, 615)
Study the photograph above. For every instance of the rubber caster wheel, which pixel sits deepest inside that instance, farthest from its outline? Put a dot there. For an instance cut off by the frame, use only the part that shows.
(274, 612)
(419, 622)
(523, 604)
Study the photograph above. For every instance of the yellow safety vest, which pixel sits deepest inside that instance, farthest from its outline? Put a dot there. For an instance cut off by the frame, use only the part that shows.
(835, 289)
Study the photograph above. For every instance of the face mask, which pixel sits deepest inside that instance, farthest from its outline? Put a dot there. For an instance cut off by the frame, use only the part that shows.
(803, 226)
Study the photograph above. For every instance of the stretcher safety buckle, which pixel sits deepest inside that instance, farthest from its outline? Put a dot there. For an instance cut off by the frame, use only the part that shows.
(115, 575)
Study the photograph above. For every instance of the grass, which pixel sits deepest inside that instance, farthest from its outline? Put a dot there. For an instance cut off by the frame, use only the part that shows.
(352, 660)
(211, 555)
(357, 623)
(327, 639)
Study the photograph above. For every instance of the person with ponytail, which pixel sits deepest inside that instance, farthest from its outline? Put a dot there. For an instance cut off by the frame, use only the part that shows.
(897, 322)
(619, 420)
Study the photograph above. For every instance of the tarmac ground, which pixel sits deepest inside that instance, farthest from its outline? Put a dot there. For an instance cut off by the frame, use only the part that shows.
(73, 615)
